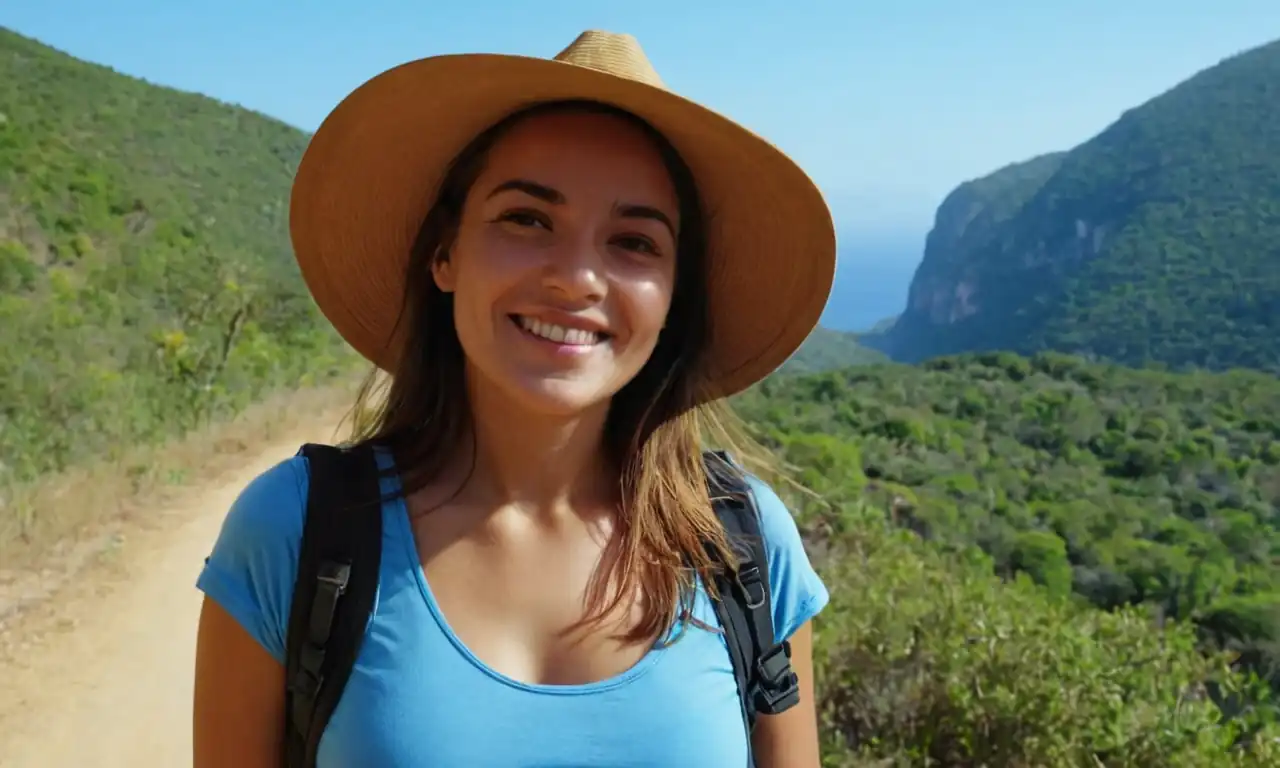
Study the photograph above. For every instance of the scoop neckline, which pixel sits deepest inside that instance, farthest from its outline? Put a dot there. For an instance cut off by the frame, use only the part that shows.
(401, 509)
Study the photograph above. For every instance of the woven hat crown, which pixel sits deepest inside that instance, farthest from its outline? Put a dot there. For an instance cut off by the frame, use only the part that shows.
(611, 53)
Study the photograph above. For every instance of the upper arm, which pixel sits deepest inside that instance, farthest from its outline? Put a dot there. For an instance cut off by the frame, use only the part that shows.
(238, 712)
(238, 709)
(789, 739)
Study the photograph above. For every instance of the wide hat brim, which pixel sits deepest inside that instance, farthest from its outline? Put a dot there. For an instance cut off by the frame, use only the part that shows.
(371, 173)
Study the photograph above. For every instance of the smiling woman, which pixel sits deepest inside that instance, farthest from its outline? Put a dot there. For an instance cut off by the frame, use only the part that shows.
(598, 264)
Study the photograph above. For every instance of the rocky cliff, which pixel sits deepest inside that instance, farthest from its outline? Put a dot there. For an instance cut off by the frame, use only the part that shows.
(1156, 241)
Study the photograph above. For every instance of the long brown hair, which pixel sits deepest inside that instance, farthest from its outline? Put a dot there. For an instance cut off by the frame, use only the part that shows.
(668, 533)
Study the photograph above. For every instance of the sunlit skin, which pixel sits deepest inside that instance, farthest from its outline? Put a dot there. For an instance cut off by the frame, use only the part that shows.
(573, 221)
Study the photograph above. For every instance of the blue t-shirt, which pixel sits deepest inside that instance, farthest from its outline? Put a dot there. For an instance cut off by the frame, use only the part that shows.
(418, 696)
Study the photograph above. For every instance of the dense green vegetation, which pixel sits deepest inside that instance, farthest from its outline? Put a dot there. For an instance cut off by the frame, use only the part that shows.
(1053, 514)
(1157, 240)
(146, 281)
(826, 349)
(926, 658)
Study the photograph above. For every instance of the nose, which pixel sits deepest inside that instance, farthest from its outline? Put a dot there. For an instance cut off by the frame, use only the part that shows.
(577, 272)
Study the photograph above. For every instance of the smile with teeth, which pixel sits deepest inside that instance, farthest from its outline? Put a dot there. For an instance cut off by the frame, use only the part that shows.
(559, 334)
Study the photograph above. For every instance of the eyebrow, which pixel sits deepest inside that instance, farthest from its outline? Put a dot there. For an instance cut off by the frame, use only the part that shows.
(646, 212)
(555, 197)
(531, 188)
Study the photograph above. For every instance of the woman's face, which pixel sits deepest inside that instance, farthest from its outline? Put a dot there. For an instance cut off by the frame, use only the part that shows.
(563, 266)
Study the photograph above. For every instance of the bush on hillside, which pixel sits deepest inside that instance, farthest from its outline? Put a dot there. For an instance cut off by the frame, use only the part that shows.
(926, 658)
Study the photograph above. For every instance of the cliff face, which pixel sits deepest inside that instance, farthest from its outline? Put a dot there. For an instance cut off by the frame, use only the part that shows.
(943, 291)
(1157, 240)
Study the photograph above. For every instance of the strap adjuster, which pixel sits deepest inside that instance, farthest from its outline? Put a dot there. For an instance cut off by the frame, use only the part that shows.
(331, 583)
(773, 668)
(753, 587)
(334, 574)
(777, 687)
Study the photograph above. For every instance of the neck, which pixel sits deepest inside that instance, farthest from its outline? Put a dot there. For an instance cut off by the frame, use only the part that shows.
(542, 463)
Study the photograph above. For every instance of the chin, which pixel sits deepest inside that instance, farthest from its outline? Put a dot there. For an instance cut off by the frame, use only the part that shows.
(561, 398)
(562, 393)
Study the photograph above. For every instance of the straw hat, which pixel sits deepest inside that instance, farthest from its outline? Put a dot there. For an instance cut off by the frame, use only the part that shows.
(371, 172)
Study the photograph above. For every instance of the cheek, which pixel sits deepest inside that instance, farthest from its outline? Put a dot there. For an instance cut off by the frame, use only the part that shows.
(484, 272)
(649, 302)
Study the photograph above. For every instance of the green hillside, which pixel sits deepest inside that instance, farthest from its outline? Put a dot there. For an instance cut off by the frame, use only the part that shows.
(883, 326)
(826, 350)
(1051, 516)
(1118, 486)
(1157, 240)
(146, 281)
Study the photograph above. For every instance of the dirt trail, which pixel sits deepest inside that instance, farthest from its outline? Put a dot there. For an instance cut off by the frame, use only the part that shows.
(101, 674)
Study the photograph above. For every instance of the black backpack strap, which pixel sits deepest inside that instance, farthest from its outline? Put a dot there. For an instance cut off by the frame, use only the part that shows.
(334, 592)
(766, 682)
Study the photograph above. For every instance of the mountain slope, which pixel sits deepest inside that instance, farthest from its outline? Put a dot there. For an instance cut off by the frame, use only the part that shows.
(146, 281)
(1157, 240)
(1123, 486)
(826, 349)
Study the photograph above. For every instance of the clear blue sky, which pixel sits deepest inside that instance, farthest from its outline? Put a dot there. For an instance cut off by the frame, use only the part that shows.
(888, 104)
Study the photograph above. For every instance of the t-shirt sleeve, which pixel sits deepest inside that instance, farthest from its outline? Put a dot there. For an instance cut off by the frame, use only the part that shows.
(250, 572)
(796, 590)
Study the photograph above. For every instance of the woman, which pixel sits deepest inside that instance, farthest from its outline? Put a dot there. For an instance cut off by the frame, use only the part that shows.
(564, 268)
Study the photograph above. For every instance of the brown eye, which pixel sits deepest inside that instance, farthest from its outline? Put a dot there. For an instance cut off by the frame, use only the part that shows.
(637, 243)
(525, 218)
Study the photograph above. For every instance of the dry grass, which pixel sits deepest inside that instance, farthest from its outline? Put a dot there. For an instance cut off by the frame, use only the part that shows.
(67, 519)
